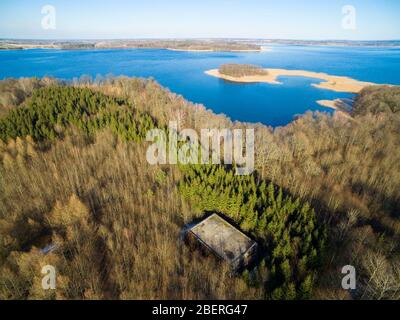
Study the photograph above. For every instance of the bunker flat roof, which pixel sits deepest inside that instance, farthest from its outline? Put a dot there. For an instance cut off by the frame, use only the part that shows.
(221, 237)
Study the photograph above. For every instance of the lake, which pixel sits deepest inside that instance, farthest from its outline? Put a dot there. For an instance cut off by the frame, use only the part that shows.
(183, 73)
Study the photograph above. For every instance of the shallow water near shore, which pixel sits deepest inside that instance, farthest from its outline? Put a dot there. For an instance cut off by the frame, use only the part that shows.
(183, 73)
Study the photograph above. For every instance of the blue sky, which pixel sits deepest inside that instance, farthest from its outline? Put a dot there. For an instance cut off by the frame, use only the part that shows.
(290, 19)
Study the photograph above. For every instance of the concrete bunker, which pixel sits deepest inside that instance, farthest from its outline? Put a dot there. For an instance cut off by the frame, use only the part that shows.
(221, 238)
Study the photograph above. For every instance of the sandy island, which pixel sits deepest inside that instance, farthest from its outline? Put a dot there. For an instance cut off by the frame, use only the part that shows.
(343, 107)
(334, 83)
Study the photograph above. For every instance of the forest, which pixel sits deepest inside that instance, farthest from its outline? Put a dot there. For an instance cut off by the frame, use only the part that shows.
(73, 172)
(241, 70)
(52, 109)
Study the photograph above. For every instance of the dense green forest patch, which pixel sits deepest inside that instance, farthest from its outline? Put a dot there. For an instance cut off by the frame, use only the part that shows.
(292, 241)
(52, 109)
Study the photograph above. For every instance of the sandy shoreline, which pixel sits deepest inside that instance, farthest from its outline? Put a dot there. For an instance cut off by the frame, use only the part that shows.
(333, 83)
(246, 50)
(266, 49)
(344, 105)
(212, 50)
(189, 50)
(333, 104)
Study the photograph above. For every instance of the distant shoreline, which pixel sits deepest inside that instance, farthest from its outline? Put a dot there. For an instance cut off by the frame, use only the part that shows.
(334, 43)
(333, 83)
(173, 45)
(128, 48)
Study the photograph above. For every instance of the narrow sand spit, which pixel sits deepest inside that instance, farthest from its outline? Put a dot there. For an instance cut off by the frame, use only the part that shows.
(266, 49)
(342, 107)
(334, 83)
(213, 50)
(190, 50)
(246, 50)
(338, 104)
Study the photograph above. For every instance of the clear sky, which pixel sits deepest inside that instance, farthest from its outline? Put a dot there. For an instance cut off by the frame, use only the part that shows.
(290, 19)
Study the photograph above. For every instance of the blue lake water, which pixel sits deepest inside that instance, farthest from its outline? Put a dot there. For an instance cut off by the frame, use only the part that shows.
(183, 73)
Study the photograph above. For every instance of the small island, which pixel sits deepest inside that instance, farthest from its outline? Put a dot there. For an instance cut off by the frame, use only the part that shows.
(241, 70)
(244, 73)
(253, 74)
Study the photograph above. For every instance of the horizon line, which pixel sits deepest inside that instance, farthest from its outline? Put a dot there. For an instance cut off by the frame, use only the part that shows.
(197, 38)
